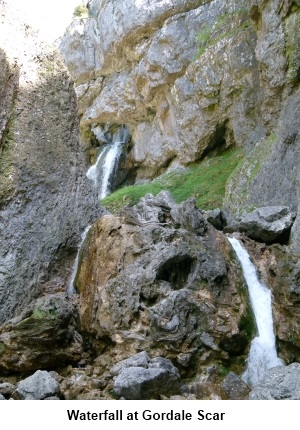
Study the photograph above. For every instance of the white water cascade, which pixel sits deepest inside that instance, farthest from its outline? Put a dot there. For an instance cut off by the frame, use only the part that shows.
(262, 355)
(102, 171)
(71, 288)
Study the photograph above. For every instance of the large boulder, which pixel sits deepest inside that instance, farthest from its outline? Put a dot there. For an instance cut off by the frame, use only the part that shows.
(40, 386)
(140, 377)
(280, 383)
(159, 276)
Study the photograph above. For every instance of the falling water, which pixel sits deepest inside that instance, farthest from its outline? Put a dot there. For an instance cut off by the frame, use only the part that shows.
(71, 288)
(262, 355)
(101, 173)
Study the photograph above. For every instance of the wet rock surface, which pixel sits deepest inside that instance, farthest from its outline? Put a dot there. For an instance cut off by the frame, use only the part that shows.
(280, 383)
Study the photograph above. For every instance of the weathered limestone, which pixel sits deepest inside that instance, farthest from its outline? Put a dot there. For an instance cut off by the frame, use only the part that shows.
(45, 199)
(140, 377)
(42, 336)
(181, 90)
(158, 276)
(40, 386)
(280, 383)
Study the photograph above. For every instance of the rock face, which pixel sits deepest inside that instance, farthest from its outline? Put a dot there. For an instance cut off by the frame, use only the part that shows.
(158, 276)
(45, 199)
(280, 383)
(187, 77)
(181, 75)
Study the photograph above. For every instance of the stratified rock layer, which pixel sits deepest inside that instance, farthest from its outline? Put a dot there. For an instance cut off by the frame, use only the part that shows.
(45, 199)
(43, 336)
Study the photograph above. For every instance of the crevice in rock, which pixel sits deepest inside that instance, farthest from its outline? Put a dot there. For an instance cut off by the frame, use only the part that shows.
(176, 271)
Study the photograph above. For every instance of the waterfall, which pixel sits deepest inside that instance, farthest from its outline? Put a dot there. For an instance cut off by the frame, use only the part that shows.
(262, 355)
(71, 288)
(102, 172)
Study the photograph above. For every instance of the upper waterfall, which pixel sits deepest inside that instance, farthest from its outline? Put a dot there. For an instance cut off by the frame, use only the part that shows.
(103, 171)
(263, 355)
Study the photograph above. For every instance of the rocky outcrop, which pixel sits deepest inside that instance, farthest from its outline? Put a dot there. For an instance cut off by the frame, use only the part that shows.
(280, 383)
(42, 336)
(159, 278)
(189, 77)
(269, 224)
(45, 199)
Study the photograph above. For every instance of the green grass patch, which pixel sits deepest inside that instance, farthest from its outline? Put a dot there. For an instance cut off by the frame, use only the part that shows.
(205, 181)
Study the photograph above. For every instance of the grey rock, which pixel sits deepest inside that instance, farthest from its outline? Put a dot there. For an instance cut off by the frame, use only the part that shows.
(235, 387)
(52, 398)
(6, 388)
(280, 383)
(2, 397)
(45, 198)
(39, 386)
(267, 224)
(178, 106)
(160, 378)
(138, 360)
(158, 282)
(215, 218)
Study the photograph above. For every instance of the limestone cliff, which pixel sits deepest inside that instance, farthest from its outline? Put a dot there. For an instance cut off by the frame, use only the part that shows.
(45, 201)
(187, 77)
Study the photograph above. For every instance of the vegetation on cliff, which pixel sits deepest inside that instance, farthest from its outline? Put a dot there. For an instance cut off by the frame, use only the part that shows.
(206, 181)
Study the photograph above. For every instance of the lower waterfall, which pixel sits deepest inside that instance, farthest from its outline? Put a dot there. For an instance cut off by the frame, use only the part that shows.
(262, 355)
(71, 288)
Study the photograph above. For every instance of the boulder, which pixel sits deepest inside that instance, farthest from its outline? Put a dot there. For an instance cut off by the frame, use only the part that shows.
(39, 386)
(235, 387)
(267, 224)
(6, 388)
(134, 382)
(159, 276)
(42, 336)
(280, 383)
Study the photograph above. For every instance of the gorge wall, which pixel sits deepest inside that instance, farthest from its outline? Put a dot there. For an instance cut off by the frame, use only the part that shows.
(161, 296)
(45, 200)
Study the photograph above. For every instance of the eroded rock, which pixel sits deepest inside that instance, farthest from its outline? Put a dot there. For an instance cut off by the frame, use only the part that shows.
(268, 224)
(42, 336)
(158, 276)
(156, 377)
(280, 383)
(39, 386)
